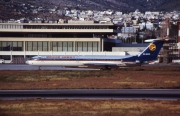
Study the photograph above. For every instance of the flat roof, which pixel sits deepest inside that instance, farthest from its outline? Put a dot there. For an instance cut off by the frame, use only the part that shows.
(60, 30)
(63, 24)
(47, 39)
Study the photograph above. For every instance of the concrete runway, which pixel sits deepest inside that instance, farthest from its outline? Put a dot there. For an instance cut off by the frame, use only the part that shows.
(128, 94)
(31, 67)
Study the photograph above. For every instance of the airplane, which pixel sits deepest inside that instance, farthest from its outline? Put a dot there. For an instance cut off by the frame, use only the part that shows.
(150, 53)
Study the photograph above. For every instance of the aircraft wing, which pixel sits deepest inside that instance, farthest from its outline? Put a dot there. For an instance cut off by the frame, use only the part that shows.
(102, 64)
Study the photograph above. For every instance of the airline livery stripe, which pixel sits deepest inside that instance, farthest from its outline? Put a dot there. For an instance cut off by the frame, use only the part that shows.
(80, 60)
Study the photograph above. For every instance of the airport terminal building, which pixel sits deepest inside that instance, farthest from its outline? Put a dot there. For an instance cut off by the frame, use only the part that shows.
(24, 40)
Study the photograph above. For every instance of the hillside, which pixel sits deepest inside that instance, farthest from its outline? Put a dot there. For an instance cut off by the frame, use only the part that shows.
(170, 5)
(123, 5)
(20, 8)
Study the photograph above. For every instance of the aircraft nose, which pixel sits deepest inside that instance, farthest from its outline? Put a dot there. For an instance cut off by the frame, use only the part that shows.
(27, 62)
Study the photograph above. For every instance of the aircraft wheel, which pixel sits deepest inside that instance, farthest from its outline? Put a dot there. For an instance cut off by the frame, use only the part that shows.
(106, 68)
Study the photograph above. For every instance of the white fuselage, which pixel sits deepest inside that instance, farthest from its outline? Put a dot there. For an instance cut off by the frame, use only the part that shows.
(69, 63)
(70, 60)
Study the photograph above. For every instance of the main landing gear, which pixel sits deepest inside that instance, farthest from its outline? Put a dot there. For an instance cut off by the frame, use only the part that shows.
(106, 68)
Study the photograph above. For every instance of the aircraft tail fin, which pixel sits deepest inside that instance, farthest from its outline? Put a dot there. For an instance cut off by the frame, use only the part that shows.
(152, 51)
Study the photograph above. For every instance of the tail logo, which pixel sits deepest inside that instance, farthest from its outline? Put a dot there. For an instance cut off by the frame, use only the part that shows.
(152, 47)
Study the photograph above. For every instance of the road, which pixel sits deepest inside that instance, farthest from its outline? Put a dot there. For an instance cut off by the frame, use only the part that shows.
(31, 67)
(154, 94)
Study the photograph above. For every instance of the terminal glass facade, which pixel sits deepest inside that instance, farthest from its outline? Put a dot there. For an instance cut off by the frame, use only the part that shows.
(87, 46)
(61, 46)
(37, 46)
(11, 46)
(49, 46)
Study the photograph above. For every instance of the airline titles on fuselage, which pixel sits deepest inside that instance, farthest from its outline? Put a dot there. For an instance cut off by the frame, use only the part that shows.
(59, 57)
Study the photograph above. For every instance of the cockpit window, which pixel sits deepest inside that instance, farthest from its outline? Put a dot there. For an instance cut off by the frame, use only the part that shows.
(35, 58)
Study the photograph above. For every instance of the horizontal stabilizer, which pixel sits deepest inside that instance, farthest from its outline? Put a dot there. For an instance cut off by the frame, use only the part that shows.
(154, 40)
